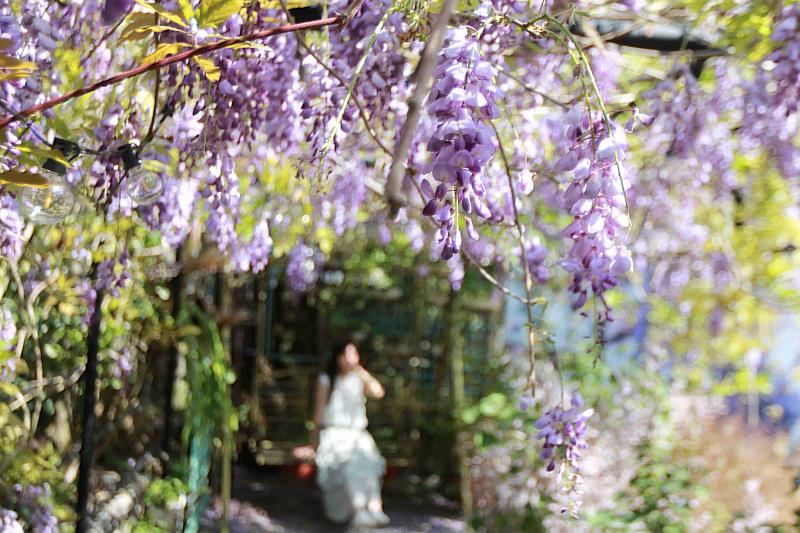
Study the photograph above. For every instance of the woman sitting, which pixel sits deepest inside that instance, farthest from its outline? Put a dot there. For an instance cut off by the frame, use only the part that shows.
(349, 465)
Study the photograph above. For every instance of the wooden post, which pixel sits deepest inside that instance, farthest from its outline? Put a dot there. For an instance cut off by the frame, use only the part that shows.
(175, 289)
(262, 280)
(459, 403)
(89, 419)
(224, 295)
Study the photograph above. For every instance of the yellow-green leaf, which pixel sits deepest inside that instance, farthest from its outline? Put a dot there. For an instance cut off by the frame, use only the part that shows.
(290, 4)
(48, 153)
(15, 75)
(5, 43)
(186, 9)
(161, 10)
(248, 44)
(24, 179)
(144, 31)
(12, 63)
(211, 71)
(137, 21)
(163, 50)
(212, 13)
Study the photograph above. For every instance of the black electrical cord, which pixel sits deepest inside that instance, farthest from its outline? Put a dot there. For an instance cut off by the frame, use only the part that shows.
(73, 150)
(658, 37)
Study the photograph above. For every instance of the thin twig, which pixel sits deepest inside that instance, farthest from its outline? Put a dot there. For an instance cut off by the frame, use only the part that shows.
(108, 34)
(361, 110)
(531, 89)
(152, 129)
(485, 273)
(523, 250)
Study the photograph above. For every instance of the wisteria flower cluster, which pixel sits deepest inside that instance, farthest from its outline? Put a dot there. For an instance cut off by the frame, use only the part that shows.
(9, 522)
(786, 58)
(462, 101)
(563, 431)
(596, 200)
(10, 228)
(535, 256)
(34, 500)
(303, 268)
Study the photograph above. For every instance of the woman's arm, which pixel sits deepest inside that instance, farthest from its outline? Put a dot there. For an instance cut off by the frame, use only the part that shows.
(320, 398)
(372, 387)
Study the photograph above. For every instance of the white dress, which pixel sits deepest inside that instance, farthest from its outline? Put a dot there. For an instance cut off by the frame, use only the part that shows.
(349, 465)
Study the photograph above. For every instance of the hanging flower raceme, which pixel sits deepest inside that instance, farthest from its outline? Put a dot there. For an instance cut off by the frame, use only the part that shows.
(596, 199)
(462, 101)
(9, 522)
(35, 500)
(535, 256)
(563, 432)
(785, 77)
(303, 268)
(10, 228)
(254, 256)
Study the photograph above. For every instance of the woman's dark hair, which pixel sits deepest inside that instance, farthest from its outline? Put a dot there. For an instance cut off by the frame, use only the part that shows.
(332, 367)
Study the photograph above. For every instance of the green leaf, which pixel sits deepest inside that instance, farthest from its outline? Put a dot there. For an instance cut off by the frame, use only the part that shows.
(53, 154)
(164, 50)
(9, 389)
(17, 75)
(137, 21)
(211, 70)
(12, 63)
(24, 179)
(493, 404)
(157, 8)
(213, 13)
(186, 9)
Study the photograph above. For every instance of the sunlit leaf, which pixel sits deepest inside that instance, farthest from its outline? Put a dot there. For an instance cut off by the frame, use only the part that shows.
(45, 153)
(24, 179)
(145, 31)
(211, 71)
(16, 75)
(137, 22)
(186, 9)
(164, 50)
(213, 13)
(161, 10)
(249, 44)
(12, 63)
(290, 4)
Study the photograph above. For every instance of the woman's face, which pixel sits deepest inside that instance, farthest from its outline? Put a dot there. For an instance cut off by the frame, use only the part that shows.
(348, 359)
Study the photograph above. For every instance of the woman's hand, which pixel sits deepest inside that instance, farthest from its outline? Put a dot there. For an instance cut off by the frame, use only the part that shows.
(304, 453)
(372, 387)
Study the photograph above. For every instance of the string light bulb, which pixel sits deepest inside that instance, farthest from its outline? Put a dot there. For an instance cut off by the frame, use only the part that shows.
(51, 204)
(143, 187)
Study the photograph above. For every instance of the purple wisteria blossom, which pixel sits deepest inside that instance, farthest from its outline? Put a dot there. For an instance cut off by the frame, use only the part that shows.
(535, 256)
(33, 501)
(785, 76)
(9, 522)
(595, 198)
(563, 431)
(462, 101)
(113, 10)
(772, 121)
(255, 255)
(303, 268)
(11, 225)
(8, 329)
